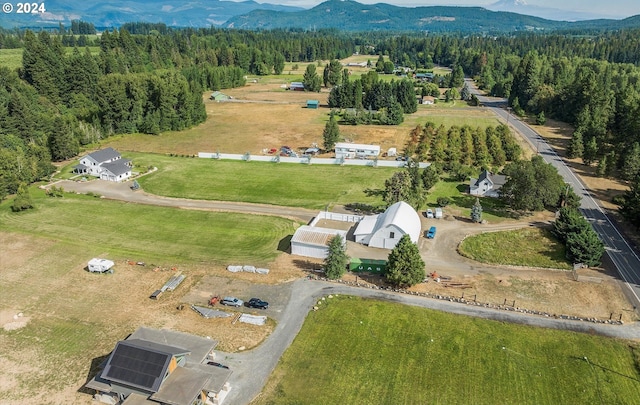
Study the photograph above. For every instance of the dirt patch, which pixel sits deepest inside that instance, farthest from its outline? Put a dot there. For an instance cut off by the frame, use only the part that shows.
(13, 320)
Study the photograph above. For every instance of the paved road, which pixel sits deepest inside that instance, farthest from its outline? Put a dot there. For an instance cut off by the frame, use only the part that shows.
(251, 369)
(619, 251)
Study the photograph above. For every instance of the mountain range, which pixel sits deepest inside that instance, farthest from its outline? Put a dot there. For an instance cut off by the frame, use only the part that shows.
(345, 15)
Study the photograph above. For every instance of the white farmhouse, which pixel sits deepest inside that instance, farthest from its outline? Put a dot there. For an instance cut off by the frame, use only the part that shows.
(356, 150)
(386, 229)
(106, 164)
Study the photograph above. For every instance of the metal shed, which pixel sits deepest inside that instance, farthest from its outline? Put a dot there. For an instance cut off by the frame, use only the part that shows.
(313, 104)
(310, 241)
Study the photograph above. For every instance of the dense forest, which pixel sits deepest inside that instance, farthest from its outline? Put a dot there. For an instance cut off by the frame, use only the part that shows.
(63, 98)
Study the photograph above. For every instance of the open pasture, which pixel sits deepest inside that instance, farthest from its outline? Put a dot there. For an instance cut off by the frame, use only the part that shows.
(361, 351)
(299, 185)
(264, 116)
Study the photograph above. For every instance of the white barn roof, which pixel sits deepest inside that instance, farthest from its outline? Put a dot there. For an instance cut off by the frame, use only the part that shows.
(399, 219)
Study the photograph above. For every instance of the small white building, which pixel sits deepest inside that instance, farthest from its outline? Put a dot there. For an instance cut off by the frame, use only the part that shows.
(356, 150)
(311, 241)
(385, 230)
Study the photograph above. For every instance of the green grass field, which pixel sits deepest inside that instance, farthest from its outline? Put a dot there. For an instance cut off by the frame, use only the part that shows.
(494, 210)
(527, 247)
(297, 185)
(356, 351)
(156, 233)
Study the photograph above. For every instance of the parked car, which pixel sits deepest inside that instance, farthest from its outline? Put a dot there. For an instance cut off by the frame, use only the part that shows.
(429, 213)
(213, 363)
(432, 233)
(232, 301)
(258, 303)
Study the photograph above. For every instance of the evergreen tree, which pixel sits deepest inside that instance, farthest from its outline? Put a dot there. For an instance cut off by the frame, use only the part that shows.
(331, 133)
(380, 64)
(476, 211)
(569, 221)
(576, 146)
(585, 247)
(336, 261)
(465, 93)
(335, 72)
(590, 153)
(22, 200)
(278, 63)
(541, 119)
(311, 80)
(631, 163)
(405, 267)
(630, 208)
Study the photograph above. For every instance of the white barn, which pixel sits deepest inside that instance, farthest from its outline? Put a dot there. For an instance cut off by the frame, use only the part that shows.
(356, 150)
(310, 241)
(386, 229)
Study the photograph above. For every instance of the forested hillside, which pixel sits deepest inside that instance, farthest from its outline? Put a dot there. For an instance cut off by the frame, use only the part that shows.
(63, 98)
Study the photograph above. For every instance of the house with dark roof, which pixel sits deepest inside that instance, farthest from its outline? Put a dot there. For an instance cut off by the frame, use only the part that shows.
(159, 366)
(106, 164)
(487, 184)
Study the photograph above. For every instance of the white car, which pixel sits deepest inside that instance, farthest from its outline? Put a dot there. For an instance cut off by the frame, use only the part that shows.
(429, 213)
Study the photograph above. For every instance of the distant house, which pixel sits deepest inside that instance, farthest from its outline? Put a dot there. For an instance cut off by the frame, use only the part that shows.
(487, 185)
(386, 229)
(219, 96)
(313, 104)
(424, 77)
(428, 100)
(296, 86)
(159, 366)
(106, 164)
(356, 150)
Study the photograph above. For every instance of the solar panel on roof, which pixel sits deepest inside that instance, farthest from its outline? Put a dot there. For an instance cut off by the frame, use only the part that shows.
(137, 366)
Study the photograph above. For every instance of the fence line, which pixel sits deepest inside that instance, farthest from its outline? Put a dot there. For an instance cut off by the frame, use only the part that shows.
(306, 160)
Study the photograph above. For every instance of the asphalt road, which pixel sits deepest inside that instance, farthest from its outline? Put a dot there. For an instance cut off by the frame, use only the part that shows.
(618, 249)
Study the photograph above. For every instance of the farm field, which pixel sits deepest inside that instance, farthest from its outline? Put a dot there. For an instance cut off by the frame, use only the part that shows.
(534, 247)
(155, 234)
(265, 116)
(354, 350)
(299, 185)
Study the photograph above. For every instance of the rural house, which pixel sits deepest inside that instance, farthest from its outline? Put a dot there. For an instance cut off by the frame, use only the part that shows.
(386, 229)
(106, 164)
(159, 366)
(487, 185)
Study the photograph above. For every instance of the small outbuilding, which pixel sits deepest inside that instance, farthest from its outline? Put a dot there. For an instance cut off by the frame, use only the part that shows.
(313, 104)
(100, 265)
(219, 96)
(311, 241)
(296, 86)
(346, 150)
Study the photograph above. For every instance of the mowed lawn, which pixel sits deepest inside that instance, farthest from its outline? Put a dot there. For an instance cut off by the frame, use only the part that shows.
(154, 233)
(527, 247)
(358, 351)
(285, 184)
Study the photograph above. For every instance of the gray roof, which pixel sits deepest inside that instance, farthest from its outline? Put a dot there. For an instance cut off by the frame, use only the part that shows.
(198, 347)
(117, 167)
(104, 155)
(181, 387)
(138, 399)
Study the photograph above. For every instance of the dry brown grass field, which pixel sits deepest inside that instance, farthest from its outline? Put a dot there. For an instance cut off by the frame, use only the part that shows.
(264, 115)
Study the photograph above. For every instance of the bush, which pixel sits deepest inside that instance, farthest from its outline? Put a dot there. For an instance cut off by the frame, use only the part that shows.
(443, 201)
(618, 200)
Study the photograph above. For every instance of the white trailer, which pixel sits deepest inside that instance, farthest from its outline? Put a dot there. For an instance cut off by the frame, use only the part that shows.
(438, 213)
(100, 265)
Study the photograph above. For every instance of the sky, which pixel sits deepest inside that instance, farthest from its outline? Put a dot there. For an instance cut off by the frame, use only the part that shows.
(618, 8)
